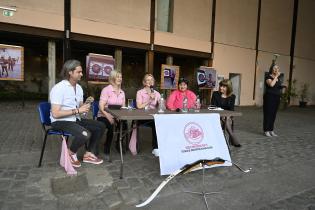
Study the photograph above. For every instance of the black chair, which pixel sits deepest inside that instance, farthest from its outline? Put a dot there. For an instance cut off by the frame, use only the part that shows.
(44, 114)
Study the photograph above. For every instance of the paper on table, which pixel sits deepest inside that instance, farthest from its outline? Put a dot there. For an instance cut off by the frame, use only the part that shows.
(215, 108)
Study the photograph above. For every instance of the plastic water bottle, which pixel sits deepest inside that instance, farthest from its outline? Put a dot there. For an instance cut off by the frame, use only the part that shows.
(161, 104)
(198, 105)
(185, 103)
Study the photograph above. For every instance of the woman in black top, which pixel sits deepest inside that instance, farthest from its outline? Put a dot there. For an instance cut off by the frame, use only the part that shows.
(271, 99)
(225, 99)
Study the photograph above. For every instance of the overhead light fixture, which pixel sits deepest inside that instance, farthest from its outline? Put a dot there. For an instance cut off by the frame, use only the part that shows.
(8, 11)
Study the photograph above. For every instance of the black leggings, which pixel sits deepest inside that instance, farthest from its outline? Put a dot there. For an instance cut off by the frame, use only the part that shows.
(82, 131)
(271, 104)
(110, 133)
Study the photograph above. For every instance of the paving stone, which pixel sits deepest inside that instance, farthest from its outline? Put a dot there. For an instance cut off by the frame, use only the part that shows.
(18, 185)
(73, 183)
(129, 197)
(120, 184)
(8, 174)
(143, 194)
(3, 194)
(14, 205)
(34, 179)
(16, 195)
(147, 182)
(49, 205)
(25, 168)
(97, 205)
(33, 191)
(21, 175)
(5, 184)
(113, 200)
(134, 182)
(32, 201)
(311, 207)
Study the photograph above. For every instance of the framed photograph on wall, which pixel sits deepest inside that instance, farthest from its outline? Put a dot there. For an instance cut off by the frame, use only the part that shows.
(219, 79)
(98, 67)
(206, 77)
(11, 62)
(169, 76)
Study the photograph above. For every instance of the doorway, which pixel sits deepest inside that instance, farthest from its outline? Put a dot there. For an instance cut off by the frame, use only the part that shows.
(236, 84)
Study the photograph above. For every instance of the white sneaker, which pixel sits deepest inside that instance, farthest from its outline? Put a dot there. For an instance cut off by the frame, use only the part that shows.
(155, 152)
(273, 133)
(267, 133)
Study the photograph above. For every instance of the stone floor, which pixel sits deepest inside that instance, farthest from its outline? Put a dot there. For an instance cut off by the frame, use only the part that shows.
(282, 176)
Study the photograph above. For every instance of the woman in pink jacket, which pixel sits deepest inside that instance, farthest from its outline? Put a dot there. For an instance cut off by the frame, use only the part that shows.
(175, 100)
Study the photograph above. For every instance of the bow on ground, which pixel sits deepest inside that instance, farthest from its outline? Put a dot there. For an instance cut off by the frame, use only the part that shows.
(184, 170)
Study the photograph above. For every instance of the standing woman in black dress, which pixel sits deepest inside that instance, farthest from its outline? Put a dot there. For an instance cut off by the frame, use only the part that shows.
(225, 99)
(271, 99)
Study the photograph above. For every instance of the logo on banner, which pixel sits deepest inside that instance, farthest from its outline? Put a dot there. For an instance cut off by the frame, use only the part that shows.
(194, 136)
(193, 133)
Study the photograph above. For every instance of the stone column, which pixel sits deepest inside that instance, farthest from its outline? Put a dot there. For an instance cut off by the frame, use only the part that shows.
(169, 60)
(51, 65)
(118, 59)
(207, 62)
(149, 62)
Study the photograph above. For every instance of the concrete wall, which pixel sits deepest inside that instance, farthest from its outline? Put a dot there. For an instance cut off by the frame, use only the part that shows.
(191, 26)
(42, 14)
(235, 38)
(236, 23)
(276, 26)
(119, 19)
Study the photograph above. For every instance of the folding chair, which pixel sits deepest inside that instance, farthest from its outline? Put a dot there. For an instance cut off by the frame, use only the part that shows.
(44, 114)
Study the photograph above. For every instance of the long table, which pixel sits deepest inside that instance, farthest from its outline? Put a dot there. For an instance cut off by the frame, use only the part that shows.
(140, 114)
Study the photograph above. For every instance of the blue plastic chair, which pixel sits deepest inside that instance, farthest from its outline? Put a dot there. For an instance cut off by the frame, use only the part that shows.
(95, 109)
(44, 114)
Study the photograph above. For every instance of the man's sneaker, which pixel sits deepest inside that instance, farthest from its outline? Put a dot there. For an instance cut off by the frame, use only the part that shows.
(267, 133)
(92, 159)
(155, 152)
(273, 133)
(74, 161)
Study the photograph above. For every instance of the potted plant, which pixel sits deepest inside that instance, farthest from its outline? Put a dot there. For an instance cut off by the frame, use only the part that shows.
(289, 93)
(304, 94)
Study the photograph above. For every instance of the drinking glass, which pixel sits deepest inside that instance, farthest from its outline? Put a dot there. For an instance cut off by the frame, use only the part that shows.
(130, 103)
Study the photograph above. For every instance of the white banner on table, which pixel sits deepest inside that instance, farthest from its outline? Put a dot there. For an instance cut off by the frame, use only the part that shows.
(186, 138)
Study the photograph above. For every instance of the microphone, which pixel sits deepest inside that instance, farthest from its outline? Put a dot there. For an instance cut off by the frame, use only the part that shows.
(275, 57)
(151, 88)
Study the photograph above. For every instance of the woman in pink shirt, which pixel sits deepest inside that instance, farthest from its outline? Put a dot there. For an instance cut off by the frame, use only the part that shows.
(147, 98)
(110, 95)
(175, 100)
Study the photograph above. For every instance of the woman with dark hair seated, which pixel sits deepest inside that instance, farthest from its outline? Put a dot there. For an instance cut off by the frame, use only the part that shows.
(175, 100)
(225, 99)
